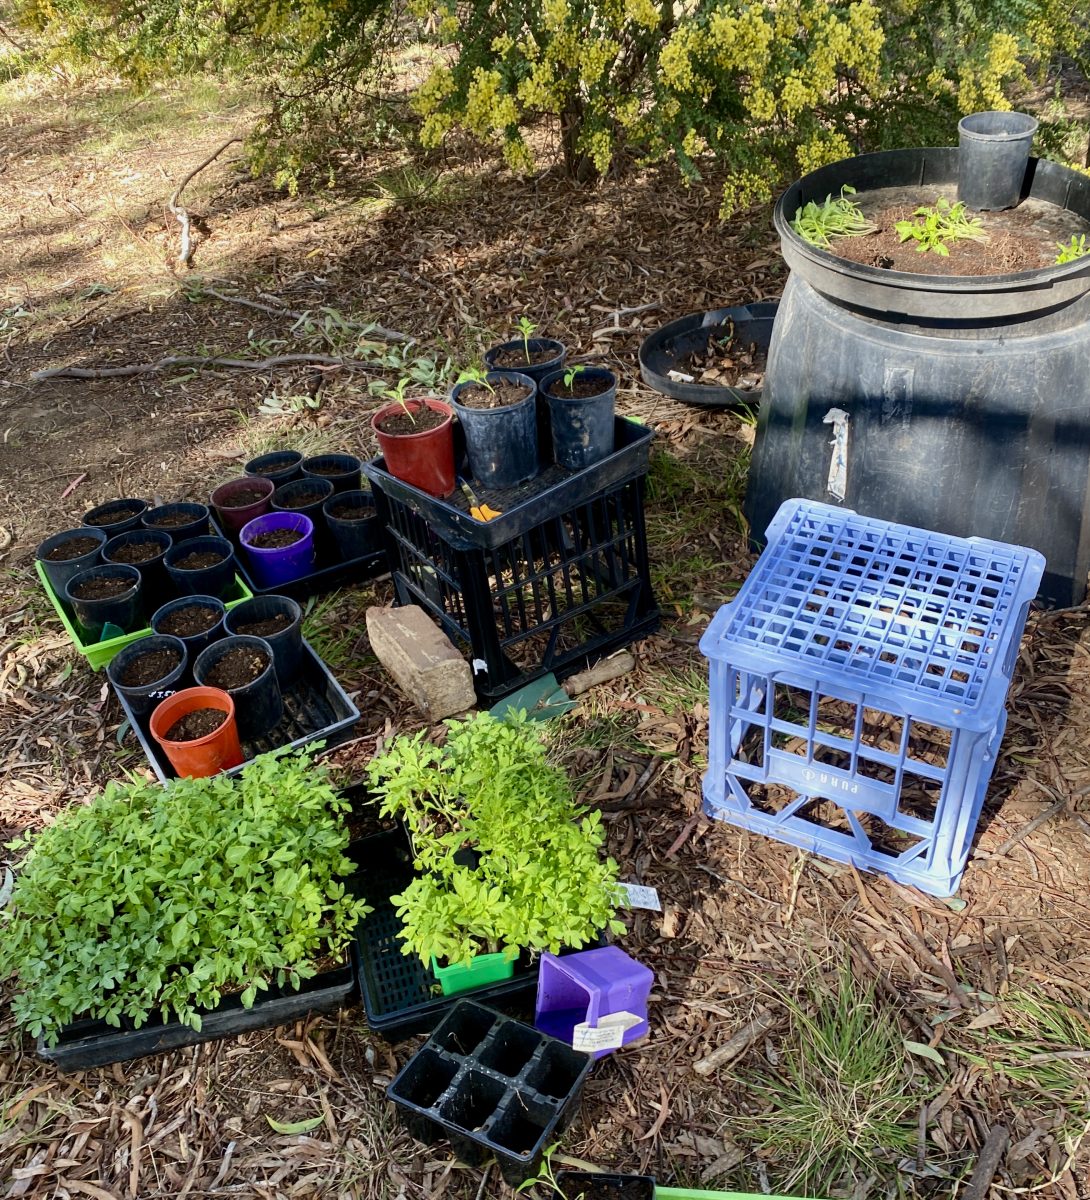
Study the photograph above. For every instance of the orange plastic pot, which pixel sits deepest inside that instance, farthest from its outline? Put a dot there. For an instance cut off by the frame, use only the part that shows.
(216, 751)
(426, 460)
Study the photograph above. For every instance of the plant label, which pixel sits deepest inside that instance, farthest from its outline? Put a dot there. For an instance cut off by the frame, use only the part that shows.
(635, 895)
(608, 1034)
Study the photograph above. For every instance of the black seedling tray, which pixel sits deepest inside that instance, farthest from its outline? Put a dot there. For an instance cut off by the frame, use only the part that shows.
(329, 573)
(490, 1085)
(400, 994)
(93, 1043)
(315, 708)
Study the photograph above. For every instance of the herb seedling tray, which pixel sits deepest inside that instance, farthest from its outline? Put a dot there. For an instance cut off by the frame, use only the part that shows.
(490, 1085)
(315, 707)
(400, 994)
(100, 654)
(329, 573)
(92, 1043)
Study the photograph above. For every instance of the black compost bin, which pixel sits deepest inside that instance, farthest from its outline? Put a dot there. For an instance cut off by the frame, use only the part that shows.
(956, 403)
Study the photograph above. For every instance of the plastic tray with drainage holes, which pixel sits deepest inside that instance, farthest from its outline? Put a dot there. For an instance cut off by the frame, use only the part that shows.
(400, 994)
(490, 1085)
(316, 708)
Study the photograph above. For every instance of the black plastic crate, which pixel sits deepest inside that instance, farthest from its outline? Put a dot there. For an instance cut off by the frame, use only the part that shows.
(400, 994)
(315, 708)
(556, 582)
(330, 572)
(490, 1085)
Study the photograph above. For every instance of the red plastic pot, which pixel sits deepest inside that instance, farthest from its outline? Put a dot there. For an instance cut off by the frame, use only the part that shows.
(426, 460)
(233, 518)
(216, 751)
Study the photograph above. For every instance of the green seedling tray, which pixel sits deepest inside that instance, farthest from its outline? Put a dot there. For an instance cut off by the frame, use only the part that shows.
(669, 1193)
(483, 969)
(98, 654)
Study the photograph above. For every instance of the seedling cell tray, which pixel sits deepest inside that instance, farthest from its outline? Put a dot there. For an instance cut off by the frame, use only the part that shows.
(93, 1043)
(315, 708)
(400, 994)
(100, 654)
(327, 576)
(490, 1085)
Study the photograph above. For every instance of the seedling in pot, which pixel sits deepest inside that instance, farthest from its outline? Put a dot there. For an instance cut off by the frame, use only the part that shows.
(943, 222)
(475, 376)
(398, 394)
(527, 328)
(818, 224)
(1071, 251)
(571, 374)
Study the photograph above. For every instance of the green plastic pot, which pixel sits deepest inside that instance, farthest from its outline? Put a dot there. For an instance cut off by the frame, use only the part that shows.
(483, 969)
(669, 1193)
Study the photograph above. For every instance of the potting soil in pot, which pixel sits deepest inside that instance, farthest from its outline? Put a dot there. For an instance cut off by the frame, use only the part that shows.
(420, 421)
(512, 360)
(243, 498)
(331, 470)
(350, 512)
(199, 560)
(135, 552)
(189, 621)
(75, 548)
(236, 669)
(497, 395)
(303, 498)
(171, 521)
(264, 628)
(276, 539)
(581, 389)
(197, 724)
(150, 667)
(113, 516)
(101, 589)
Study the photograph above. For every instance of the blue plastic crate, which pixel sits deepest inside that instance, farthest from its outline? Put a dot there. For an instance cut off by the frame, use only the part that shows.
(857, 688)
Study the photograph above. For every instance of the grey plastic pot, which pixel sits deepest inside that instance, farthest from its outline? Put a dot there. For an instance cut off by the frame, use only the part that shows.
(582, 426)
(993, 153)
(501, 442)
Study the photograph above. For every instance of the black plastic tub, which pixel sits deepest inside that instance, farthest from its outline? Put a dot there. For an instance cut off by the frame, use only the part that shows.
(259, 706)
(124, 611)
(115, 516)
(490, 1085)
(602, 1185)
(315, 709)
(85, 1044)
(537, 371)
(182, 521)
(286, 644)
(143, 698)
(158, 586)
(194, 642)
(214, 580)
(358, 535)
(342, 470)
(59, 570)
(281, 466)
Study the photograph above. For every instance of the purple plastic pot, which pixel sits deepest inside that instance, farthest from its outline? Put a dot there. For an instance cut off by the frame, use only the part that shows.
(275, 566)
(233, 519)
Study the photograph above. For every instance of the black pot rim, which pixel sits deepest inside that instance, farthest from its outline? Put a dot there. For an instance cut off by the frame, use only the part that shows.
(219, 648)
(142, 646)
(190, 546)
(592, 372)
(67, 535)
(308, 482)
(296, 615)
(536, 343)
(141, 507)
(107, 569)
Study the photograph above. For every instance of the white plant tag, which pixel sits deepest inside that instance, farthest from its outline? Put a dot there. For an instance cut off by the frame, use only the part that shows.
(636, 895)
(608, 1034)
(837, 484)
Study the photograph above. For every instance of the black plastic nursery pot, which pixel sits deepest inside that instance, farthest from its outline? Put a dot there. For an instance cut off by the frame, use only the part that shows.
(64, 555)
(342, 470)
(277, 620)
(993, 153)
(954, 403)
(258, 703)
(91, 1043)
(165, 621)
(501, 442)
(144, 549)
(490, 1085)
(143, 697)
(315, 708)
(546, 355)
(182, 520)
(115, 516)
(281, 466)
(601, 1185)
(215, 579)
(582, 424)
(353, 524)
(124, 610)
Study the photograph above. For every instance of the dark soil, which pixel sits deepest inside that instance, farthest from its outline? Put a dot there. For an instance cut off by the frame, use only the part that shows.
(150, 667)
(199, 560)
(276, 539)
(101, 589)
(607, 1189)
(243, 498)
(497, 395)
(171, 521)
(513, 359)
(350, 512)
(197, 724)
(581, 389)
(112, 517)
(270, 469)
(135, 552)
(238, 667)
(304, 499)
(189, 621)
(331, 471)
(75, 548)
(399, 423)
(266, 627)
(726, 362)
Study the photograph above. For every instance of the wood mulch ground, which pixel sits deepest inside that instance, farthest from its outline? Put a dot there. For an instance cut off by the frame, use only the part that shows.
(88, 278)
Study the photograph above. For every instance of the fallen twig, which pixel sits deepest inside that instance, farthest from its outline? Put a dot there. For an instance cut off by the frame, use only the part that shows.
(738, 1044)
(185, 252)
(1023, 833)
(380, 331)
(194, 360)
(991, 1155)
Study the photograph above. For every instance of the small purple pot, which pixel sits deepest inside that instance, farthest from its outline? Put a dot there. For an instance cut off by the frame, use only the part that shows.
(233, 519)
(275, 566)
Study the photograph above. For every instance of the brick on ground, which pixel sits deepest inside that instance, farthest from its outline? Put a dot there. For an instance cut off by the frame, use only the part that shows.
(423, 662)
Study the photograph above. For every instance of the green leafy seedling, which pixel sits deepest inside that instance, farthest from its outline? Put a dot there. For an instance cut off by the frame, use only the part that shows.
(818, 224)
(939, 224)
(1072, 250)
(571, 374)
(546, 1176)
(526, 327)
(398, 394)
(476, 376)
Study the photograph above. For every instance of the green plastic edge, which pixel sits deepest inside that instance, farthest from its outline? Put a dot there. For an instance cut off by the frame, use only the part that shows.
(99, 654)
(483, 969)
(669, 1193)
